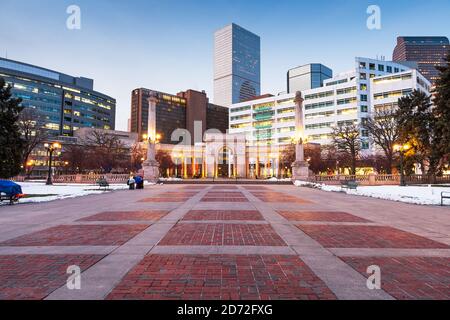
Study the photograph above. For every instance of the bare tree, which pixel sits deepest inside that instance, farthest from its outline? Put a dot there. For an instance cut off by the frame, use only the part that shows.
(33, 132)
(347, 141)
(384, 133)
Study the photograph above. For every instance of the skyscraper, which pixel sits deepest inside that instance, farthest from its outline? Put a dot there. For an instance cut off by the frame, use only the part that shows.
(428, 52)
(309, 76)
(237, 65)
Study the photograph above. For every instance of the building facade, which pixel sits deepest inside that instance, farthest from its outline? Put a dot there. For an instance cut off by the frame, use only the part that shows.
(347, 98)
(309, 76)
(173, 112)
(66, 103)
(428, 52)
(237, 65)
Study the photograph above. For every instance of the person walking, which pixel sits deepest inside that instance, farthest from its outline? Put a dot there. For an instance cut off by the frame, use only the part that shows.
(131, 183)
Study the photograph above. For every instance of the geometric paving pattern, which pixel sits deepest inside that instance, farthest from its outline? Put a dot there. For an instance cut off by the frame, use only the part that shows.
(79, 235)
(25, 277)
(224, 242)
(321, 216)
(224, 215)
(408, 278)
(221, 277)
(331, 236)
(127, 216)
(209, 234)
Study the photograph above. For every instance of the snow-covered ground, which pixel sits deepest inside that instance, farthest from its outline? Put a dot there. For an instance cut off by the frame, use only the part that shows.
(425, 195)
(61, 191)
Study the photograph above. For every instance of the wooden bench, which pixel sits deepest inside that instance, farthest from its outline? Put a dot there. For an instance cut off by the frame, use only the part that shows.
(11, 199)
(350, 184)
(102, 183)
(444, 195)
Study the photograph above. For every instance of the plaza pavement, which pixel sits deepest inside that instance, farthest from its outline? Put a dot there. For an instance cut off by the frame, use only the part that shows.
(224, 242)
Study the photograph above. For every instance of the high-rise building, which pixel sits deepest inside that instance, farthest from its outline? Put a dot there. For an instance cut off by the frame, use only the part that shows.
(347, 98)
(428, 52)
(66, 103)
(174, 112)
(237, 65)
(309, 76)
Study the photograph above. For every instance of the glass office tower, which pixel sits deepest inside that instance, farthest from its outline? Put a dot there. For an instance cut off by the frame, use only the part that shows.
(428, 52)
(309, 76)
(237, 65)
(65, 103)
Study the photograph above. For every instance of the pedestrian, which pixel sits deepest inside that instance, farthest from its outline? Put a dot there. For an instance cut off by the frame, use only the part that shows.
(139, 182)
(131, 183)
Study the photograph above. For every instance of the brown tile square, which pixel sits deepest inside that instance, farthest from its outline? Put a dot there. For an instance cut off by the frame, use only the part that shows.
(328, 216)
(331, 236)
(217, 234)
(34, 277)
(409, 278)
(221, 277)
(79, 235)
(198, 215)
(127, 216)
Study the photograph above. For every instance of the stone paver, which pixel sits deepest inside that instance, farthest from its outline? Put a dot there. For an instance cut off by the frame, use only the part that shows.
(79, 235)
(408, 278)
(332, 236)
(221, 277)
(247, 242)
(33, 277)
(222, 235)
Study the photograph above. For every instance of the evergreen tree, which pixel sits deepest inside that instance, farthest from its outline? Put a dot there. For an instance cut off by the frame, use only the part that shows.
(11, 142)
(417, 128)
(442, 109)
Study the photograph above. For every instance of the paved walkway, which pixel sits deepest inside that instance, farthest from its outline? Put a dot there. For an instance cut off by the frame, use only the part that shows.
(224, 242)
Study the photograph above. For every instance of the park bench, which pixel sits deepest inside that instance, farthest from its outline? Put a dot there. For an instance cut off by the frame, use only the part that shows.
(349, 184)
(103, 184)
(444, 195)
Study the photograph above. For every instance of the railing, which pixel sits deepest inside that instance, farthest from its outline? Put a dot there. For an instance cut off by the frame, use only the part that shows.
(380, 179)
(82, 178)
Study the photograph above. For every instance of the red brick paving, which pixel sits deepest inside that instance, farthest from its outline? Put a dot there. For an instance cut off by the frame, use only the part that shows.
(223, 215)
(328, 216)
(367, 237)
(224, 199)
(410, 278)
(209, 234)
(224, 277)
(165, 199)
(79, 235)
(127, 216)
(224, 194)
(33, 277)
(256, 188)
(278, 197)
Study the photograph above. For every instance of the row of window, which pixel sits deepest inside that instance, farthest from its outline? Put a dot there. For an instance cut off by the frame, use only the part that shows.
(392, 94)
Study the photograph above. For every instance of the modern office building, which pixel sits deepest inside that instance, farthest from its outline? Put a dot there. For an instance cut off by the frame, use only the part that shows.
(309, 76)
(237, 65)
(174, 112)
(347, 98)
(428, 52)
(66, 103)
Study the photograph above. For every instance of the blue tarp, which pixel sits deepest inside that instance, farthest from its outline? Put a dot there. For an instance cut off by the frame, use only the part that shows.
(10, 188)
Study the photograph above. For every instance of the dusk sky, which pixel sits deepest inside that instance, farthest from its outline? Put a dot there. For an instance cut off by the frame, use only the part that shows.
(167, 45)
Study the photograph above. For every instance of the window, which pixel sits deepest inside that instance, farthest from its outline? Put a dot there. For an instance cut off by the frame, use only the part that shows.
(364, 97)
(372, 66)
(362, 65)
(363, 87)
(396, 70)
(363, 76)
(365, 145)
(389, 69)
(365, 133)
(381, 67)
(364, 109)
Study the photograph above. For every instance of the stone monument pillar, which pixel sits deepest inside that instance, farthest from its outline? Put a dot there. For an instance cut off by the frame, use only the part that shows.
(300, 168)
(151, 166)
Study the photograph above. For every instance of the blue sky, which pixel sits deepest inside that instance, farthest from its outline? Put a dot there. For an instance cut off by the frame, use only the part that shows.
(167, 45)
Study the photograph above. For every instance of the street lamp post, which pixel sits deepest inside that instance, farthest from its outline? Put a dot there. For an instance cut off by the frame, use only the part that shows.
(402, 149)
(50, 149)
